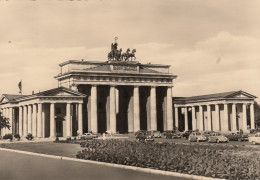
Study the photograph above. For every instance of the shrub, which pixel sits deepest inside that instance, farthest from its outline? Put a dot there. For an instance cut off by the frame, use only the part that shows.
(8, 136)
(17, 136)
(211, 161)
(29, 136)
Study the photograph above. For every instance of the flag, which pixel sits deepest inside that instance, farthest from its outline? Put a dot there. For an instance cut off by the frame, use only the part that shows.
(20, 87)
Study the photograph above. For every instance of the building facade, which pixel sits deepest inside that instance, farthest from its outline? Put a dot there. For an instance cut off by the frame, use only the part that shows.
(230, 111)
(124, 97)
(115, 96)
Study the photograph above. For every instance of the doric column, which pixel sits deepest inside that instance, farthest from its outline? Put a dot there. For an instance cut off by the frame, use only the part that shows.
(209, 117)
(244, 120)
(201, 118)
(39, 120)
(34, 122)
(176, 118)
(169, 109)
(25, 121)
(186, 118)
(252, 116)
(80, 122)
(136, 109)
(10, 111)
(29, 118)
(153, 109)
(68, 120)
(234, 118)
(112, 109)
(224, 125)
(20, 120)
(52, 121)
(94, 123)
(216, 124)
(194, 123)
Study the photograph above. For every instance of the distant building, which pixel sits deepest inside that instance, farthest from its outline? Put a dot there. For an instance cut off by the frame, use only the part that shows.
(230, 111)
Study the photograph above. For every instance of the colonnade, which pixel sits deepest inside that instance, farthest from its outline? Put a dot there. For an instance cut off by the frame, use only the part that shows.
(134, 119)
(33, 118)
(217, 117)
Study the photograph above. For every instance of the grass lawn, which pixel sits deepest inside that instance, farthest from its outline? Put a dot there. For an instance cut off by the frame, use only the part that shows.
(59, 149)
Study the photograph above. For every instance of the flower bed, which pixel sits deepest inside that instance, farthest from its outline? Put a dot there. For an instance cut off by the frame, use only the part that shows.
(210, 161)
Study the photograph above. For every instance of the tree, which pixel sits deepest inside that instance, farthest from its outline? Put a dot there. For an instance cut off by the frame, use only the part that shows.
(4, 122)
(257, 114)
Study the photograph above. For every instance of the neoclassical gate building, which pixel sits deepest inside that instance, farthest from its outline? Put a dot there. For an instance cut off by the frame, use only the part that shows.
(119, 96)
(229, 111)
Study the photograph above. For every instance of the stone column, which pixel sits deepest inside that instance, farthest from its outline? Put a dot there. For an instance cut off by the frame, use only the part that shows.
(68, 120)
(252, 116)
(52, 121)
(176, 118)
(194, 123)
(25, 121)
(20, 120)
(10, 111)
(186, 118)
(94, 123)
(216, 127)
(200, 118)
(153, 109)
(34, 122)
(209, 117)
(29, 118)
(234, 118)
(224, 125)
(244, 128)
(136, 109)
(169, 109)
(112, 109)
(39, 120)
(80, 122)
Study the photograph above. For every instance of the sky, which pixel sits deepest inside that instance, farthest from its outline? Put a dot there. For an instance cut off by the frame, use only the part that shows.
(212, 46)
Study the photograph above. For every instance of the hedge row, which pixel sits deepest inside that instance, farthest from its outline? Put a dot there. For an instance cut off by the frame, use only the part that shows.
(210, 161)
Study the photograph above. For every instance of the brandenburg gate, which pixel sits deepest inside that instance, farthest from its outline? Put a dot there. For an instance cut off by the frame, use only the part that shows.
(121, 95)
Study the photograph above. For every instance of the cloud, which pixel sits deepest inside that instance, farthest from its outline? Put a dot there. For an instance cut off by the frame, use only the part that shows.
(224, 62)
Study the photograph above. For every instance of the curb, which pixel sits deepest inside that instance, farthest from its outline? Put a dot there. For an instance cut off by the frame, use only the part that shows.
(146, 170)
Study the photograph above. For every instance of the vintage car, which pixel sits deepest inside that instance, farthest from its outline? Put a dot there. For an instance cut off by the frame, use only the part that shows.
(255, 139)
(156, 134)
(172, 134)
(217, 137)
(236, 136)
(144, 137)
(186, 134)
(88, 136)
(207, 134)
(196, 137)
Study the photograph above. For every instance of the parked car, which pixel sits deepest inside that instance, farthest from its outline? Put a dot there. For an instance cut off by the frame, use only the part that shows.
(255, 139)
(207, 134)
(144, 137)
(172, 134)
(236, 136)
(186, 134)
(88, 136)
(156, 134)
(196, 137)
(217, 137)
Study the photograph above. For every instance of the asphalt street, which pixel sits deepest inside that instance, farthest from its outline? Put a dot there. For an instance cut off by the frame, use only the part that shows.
(15, 166)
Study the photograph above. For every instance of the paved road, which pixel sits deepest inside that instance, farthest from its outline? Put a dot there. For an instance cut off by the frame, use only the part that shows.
(15, 166)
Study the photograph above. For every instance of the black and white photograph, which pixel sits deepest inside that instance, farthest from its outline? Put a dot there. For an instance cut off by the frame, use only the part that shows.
(132, 90)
